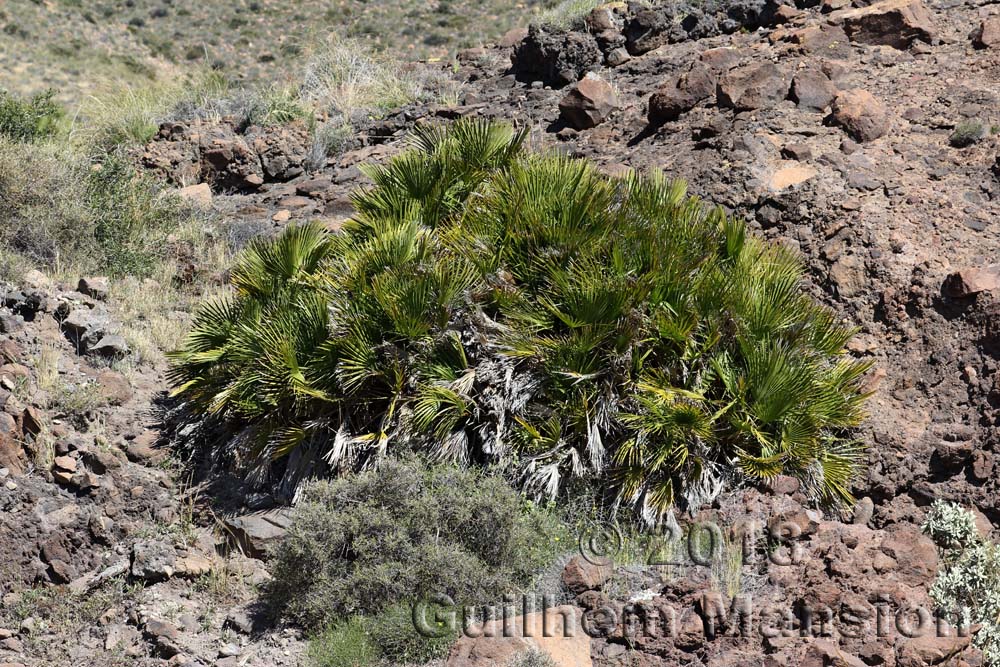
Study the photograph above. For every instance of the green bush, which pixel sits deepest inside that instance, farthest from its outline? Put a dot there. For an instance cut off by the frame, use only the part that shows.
(489, 305)
(63, 212)
(365, 543)
(132, 216)
(31, 119)
(968, 582)
(567, 14)
(967, 133)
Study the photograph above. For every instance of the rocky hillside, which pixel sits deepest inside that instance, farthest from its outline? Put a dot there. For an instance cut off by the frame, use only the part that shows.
(861, 136)
(75, 46)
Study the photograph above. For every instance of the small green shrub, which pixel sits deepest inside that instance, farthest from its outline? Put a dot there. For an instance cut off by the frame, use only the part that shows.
(389, 637)
(346, 644)
(967, 133)
(31, 119)
(364, 543)
(488, 305)
(968, 582)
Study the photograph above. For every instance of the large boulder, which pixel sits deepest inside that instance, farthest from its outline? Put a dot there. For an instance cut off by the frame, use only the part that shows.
(555, 58)
(558, 632)
(752, 87)
(680, 94)
(861, 115)
(588, 103)
(895, 23)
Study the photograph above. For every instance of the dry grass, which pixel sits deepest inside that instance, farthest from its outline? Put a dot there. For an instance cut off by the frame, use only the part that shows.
(343, 77)
(568, 13)
(123, 114)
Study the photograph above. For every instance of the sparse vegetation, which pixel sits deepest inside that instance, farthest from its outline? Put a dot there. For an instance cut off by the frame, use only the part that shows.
(967, 133)
(567, 14)
(489, 305)
(399, 642)
(531, 658)
(968, 583)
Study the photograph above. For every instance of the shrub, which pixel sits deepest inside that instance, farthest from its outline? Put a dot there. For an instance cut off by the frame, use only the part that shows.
(31, 119)
(968, 583)
(967, 133)
(951, 526)
(274, 106)
(489, 305)
(42, 204)
(363, 544)
(64, 212)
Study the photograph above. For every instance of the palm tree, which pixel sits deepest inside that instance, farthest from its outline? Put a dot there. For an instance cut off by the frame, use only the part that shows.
(494, 306)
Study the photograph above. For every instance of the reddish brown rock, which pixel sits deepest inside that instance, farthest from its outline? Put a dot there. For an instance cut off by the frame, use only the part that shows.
(581, 575)
(720, 59)
(915, 554)
(784, 14)
(588, 103)
(681, 94)
(752, 87)
(895, 23)
(824, 653)
(513, 37)
(967, 282)
(931, 650)
(987, 35)
(198, 195)
(862, 116)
